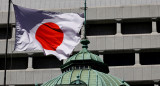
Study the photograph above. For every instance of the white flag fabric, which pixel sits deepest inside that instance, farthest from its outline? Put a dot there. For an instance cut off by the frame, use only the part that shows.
(54, 33)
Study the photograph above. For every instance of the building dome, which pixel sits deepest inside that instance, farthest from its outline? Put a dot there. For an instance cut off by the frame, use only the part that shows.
(89, 77)
(88, 67)
(85, 59)
(85, 55)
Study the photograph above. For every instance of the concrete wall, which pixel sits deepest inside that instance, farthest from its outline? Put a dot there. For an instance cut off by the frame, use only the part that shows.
(29, 76)
(107, 43)
(128, 73)
(118, 12)
(58, 4)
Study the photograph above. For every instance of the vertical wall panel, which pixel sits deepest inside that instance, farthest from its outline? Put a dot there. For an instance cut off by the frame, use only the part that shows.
(101, 42)
(28, 3)
(143, 1)
(91, 13)
(57, 4)
(103, 3)
(154, 10)
(127, 12)
(145, 11)
(148, 1)
(154, 39)
(20, 77)
(2, 77)
(118, 12)
(128, 2)
(1, 6)
(93, 41)
(46, 75)
(137, 41)
(128, 73)
(110, 42)
(123, 2)
(110, 13)
(55, 73)
(146, 41)
(29, 77)
(119, 72)
(118, 2)
(136, 11)
(98, 3)
(4, 17)
(1, 15)
(147, 73)
(118, 42)
(113, 2)
(154, 2)
(4, 5)
(13, 77)
(128, 42)
(101, 13)
(108, 3)
(155, 72)
(37, 76)
(138, 73)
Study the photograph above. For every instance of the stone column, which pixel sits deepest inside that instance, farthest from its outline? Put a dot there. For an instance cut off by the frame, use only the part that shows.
(30, 61)
(137, 57)
(101, 56)
(118, 28)
(154, 26)
(156, 85)
(156, 82)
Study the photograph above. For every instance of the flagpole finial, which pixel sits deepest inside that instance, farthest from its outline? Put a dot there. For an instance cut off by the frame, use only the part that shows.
(85, 43)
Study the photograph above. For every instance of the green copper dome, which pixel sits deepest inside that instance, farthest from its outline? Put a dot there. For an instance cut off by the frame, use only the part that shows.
(85, 59)
(89, 76)
(84, 54)
(85, 69)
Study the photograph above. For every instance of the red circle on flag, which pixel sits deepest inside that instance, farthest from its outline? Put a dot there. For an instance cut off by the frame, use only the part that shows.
(49, 35)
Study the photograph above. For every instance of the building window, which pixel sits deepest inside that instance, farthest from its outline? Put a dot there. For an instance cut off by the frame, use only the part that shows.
(46, 62)
(121, 59)
(136, 27)
(149, 58)
(3, 32)
(101, 29)
(158, 26)
(141, 83)
(14, 63)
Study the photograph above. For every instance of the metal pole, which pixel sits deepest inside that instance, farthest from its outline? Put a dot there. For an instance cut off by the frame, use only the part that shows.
(85, 8)
(8, 21)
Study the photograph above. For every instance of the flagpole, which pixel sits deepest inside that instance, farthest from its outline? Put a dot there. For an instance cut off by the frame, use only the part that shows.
(85, 8)
(8, 22)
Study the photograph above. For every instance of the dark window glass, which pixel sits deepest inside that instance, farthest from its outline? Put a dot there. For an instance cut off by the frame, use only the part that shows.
(158, 26)
(148, 58)
(141, 83)
(119, 59)
(14, 63)
(46, 62)
(27, 85)
(136, 27)
(3, 30)
(101, 29)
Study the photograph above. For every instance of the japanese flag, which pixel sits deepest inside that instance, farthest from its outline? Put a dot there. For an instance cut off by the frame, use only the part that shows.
(54, 33)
